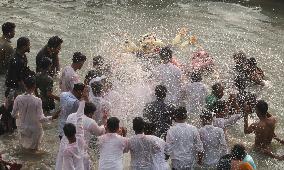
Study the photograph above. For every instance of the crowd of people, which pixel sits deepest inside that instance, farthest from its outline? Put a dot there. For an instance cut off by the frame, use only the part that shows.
(185, 127)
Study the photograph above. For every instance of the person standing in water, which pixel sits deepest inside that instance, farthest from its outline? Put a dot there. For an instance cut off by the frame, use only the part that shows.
(51, 51)
(28, 110)
(69, 77)
(6, 49)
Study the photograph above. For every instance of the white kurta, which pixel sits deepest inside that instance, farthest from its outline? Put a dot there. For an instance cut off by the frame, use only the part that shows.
(28, 111)
(183, 143)
(225, 123)
(196, 93)
(142, 149)
(111, 149)
(214, 144)
(159, 162)
(169, 75)
(68, 78)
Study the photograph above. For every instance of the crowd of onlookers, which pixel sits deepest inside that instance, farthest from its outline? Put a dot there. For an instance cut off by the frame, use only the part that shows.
(185, 123)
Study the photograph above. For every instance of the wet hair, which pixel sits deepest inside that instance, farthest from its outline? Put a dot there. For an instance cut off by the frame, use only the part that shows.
(238, 152)
(161, 91)
(90, 108)
(262, 107)
(252, 61)
(180, 113)
(22, 42)
(196, 76)
(166, 54)
(97, 87)
(78, 57)
(220, 106)
(216, 87)
(54, 42)
(113, 124)
(224, 162)
(30, 82)
(79, 87)
(8, 27)
(138, 125)
(69, 130)
(98, 60)
(240, 82)
(149, 128)
(45, 63)
(240, 56)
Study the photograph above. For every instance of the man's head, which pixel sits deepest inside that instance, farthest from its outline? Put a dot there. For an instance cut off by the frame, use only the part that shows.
(206, 117)
(218, 90)
(149, 128)
(46, 63)
(166, 54)
(238, 152)
(54, 44)
(8, 29)
(180, 114)
(252, 62)
(98, 61)
(89, 109)
(196, 76)
(240, 57)
(113, 124)
(69, 130)
(97, 88)
(30, 83)
(23, 44)
(161, 92)
(261, 109)
(138, 125)
(78, 60)
(78, 90)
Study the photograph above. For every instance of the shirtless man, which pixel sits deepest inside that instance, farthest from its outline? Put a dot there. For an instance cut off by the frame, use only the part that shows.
(263, 129)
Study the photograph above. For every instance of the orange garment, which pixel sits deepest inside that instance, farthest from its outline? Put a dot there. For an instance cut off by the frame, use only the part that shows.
(245, 166)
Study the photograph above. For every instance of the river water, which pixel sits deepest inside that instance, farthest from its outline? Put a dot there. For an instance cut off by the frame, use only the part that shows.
(95, 27)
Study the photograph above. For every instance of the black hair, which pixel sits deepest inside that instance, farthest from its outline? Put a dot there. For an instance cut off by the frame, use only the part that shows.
(240, 82)
(166, 54)
(98, 60)
(78, 57)
(238, 152)
(8, 27)
(216, 87)
(161, 91)
(69, 130)
(252, 61)
(90, 108)
(138, 125)
(22, 42)
(45, 63)
(240, 56)
(97, 87)
(54, 42)
(113, 124)
(149, 128)
(30, 82)
(79, 87)
(196, 76)
(180, 113)
(262, 107)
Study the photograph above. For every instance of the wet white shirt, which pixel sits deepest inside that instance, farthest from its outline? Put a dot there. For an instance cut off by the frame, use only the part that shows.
(214, 144)
(111, 149)
(73, 154)
(102, 106)
(27, 110)
(68, 78)
(142, 149)
(169, 75)
(159, 162)
(183, 143)
(225, 123)
(196, 93)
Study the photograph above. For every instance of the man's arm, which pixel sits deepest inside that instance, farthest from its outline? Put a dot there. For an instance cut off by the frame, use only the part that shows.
(248, 129)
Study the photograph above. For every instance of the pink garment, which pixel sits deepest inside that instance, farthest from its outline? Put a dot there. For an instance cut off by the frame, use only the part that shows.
(201, 60)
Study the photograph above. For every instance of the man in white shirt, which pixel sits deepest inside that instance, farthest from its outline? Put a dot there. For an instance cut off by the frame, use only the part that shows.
(69, 103)
(69, 77)
(169, 75)
(214, 142)
(112, 146)
(142, 147)
(183, 142)
(27, 109)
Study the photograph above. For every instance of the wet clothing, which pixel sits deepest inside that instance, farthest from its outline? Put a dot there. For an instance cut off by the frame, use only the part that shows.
(68, 78)
(6, 53)
(54, 58)
(160, 114)
(211, 102)
(45, 84)
(7, 122)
